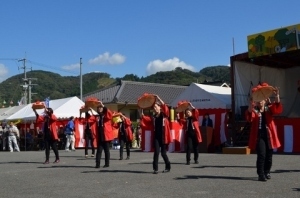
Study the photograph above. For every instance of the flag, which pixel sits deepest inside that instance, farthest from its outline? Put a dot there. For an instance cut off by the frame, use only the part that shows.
(47, 101)
(22, 101)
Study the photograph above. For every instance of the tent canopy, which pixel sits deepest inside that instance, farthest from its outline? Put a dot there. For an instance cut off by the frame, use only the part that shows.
(206, 96)
(6, 112)
(62, 108)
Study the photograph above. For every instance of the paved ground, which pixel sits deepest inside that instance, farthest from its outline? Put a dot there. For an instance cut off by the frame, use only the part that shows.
(218, 175)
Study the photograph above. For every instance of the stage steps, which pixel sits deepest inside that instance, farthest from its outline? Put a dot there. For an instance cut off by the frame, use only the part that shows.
(236, 150)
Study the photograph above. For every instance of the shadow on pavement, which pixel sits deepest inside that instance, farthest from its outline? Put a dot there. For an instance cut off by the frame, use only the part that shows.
(225, 166)
(117, 171)
(285, 171)
(215, 177)
(19, 162)
(62, 166)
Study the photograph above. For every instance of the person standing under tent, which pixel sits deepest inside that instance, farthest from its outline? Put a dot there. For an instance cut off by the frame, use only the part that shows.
(125, 135)
(192, 132)
(13, 135)
(162, 136)
(104, 134)
(89, 133)
(207, 121)
(70, 134)
(50, 132)
(263, 136)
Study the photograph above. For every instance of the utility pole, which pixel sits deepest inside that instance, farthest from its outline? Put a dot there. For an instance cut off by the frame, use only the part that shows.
(25, 80)
(80, 78)
(29, 88)
(27, 84)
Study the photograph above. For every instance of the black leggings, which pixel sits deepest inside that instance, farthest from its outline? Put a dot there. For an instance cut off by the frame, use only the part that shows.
(87, 141)
(103, 145)
(163, 149)
(192, 144)
(53, 144)
(122, 142)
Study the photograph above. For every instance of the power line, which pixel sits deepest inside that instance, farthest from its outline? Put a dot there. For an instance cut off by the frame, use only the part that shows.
(41, 65)
(48, 66)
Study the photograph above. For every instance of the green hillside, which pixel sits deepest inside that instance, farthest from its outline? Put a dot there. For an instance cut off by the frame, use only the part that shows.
(53, 85)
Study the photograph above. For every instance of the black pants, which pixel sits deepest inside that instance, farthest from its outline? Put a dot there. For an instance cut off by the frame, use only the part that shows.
(102, 145)
(192, 144)
(88, 140)
(53, 144)
(264, 156)
(163, 149)
(138, 142)
(122, 142)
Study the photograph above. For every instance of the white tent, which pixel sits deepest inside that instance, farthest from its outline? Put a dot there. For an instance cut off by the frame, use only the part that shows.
(6, 112)
(206, 96)
(215, 100)
(63, 109)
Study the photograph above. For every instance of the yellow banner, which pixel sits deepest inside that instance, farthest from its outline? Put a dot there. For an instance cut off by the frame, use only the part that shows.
(274, 41)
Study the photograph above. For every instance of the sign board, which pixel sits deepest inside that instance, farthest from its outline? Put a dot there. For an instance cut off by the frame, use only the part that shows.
(274, 41)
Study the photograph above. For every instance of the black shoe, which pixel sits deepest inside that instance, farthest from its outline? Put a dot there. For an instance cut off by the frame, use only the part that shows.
(155, 172)
(268, 176)
(187, 163)
(97, 166)
(128, 158)
(105, 166)
(121, 158)
(166, 170)
(196, 162)
(46, 162)
(262, 178)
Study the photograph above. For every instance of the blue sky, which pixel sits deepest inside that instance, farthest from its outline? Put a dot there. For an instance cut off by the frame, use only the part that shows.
(131, 36)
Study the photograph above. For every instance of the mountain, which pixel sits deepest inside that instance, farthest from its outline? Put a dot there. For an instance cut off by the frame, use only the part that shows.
(49, 84)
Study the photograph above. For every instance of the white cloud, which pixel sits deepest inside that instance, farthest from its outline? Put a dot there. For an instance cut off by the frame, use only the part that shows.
(167, 65)
(229, 65)
(3, 72)
(71, 67)
(107, 59)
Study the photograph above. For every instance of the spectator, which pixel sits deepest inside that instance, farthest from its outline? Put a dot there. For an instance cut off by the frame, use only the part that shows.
(29, 141)
(207, 121)
(13, 135)
(70, 133)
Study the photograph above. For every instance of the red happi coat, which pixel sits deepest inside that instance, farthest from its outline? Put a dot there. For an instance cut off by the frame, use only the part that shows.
(52, 125)
(253, 117)
(147, 121)
(195, 123)
(92, 120)
(107, 126)
(128, 130)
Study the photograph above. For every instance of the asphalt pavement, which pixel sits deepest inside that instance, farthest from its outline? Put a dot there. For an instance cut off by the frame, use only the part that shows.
(23, 174)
